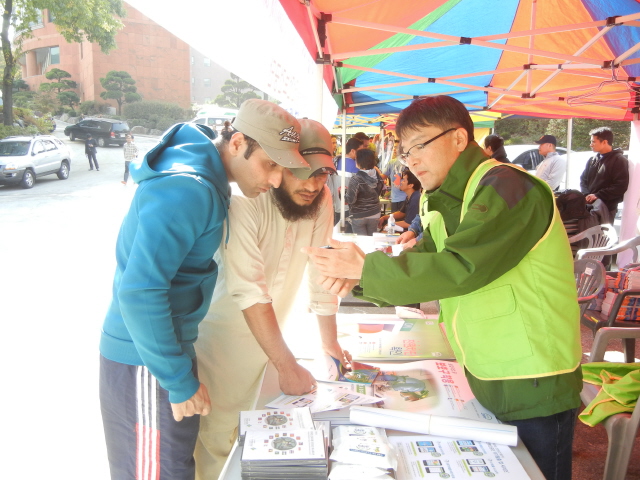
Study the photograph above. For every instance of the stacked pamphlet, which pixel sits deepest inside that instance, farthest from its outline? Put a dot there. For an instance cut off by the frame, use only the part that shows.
(286, 454)
(274, 421)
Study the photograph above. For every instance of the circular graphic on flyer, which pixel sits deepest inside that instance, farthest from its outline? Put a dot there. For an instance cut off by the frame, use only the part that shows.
(275, 420)
(284, 443)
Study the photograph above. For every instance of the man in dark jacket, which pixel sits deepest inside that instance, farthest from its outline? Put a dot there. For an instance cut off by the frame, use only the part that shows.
(606, 176)
(90, 151)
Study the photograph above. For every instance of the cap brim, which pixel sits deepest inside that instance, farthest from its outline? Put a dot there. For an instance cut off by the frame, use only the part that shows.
(288, 158)
(316, 162)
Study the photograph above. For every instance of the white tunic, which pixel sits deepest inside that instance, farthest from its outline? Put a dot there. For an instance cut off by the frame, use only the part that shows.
(261, 263)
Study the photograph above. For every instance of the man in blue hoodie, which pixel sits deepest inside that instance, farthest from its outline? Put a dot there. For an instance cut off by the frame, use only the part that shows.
(150, 395)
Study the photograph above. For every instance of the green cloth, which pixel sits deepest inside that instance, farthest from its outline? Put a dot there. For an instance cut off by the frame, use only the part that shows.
(620, 384)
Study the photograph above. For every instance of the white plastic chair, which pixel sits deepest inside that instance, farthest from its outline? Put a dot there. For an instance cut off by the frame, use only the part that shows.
(598, 236)
(622, 427)
(597, 253)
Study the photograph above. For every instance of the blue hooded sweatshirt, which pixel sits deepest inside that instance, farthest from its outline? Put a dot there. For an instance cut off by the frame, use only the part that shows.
(165, 272)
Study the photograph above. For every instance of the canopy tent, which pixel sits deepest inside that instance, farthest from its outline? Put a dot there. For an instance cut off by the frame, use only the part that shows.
(550, 58)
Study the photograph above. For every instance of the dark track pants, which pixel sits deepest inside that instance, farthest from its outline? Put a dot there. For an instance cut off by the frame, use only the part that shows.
(144, 442)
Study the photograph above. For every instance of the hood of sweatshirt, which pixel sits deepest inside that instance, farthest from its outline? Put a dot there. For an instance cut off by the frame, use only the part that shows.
(370, 177)
(187, 149)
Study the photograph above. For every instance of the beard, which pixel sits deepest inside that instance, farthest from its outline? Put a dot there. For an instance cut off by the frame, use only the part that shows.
(293, 212)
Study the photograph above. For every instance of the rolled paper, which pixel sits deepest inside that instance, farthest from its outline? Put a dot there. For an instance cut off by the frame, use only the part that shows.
(453, 427)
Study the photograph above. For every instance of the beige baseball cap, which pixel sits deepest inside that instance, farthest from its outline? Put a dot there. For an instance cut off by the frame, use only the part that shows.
(315, 147)
(277, 131)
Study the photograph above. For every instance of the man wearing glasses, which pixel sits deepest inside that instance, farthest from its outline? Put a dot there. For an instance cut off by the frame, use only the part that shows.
(494, 252)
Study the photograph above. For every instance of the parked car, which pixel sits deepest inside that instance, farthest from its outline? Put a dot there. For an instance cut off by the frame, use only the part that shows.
(527, 155)
(105, 130)
(23, 159)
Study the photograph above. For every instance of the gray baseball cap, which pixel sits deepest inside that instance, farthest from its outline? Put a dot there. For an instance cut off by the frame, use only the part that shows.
(275, 130)
(315, 147)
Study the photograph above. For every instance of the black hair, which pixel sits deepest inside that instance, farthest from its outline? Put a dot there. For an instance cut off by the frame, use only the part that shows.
(365, 159)
(361, 136)
(493, 141)
(442, 111)
(412, 179)
(227, 132)
(602, 134)
(352, 144)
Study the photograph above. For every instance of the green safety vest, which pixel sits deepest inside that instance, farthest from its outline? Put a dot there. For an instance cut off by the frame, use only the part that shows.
(524, 324)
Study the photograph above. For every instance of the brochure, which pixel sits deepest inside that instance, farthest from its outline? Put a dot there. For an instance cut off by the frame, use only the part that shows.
(329, 369)
(423, 457)
(428, 386)
(327, 396)
(274, 420)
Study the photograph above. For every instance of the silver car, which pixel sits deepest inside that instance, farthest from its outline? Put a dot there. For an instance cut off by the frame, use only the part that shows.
(23, 159)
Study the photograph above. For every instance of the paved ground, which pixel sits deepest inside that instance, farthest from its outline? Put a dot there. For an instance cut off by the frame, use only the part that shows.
(57, 245)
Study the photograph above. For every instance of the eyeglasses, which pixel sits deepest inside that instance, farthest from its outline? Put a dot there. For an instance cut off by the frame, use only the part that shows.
(418, 147)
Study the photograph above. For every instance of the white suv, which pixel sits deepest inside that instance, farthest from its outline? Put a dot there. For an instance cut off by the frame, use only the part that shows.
(22, 159)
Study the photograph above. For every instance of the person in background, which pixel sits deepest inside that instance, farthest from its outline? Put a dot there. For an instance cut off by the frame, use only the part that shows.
(90, 150)
(264, 271)
(335, 147)
(366, 141)
(130, 152)
(606, 176)
(150, 395)
(494, 148)
(334, 183)
(553, 168)
(393, 173)
(495, 254)
(363, 195)
(410, 185)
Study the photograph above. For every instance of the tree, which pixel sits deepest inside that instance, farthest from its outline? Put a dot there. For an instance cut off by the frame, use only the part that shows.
(76, 21)
(120, 87)
(68, 98)
(234, 92)
(61, 78)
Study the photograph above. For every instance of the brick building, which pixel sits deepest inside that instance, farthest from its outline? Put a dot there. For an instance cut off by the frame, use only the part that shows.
(159, 62)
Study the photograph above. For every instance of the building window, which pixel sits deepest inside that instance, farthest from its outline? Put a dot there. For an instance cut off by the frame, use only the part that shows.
(55, 55)
(207, 62)
(39, 23)
(50, 17)
(193, 60)
(207, 82)
(193, 80)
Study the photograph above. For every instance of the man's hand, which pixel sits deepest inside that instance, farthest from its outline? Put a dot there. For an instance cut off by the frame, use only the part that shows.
(199, 404)
(336, 351)
(591, 198)
(295, 380)
(343, 260)
(406, 237)
(382, 221)
(337, 286)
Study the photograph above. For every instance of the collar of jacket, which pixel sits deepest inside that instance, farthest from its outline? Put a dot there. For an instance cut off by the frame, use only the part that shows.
(448, 197)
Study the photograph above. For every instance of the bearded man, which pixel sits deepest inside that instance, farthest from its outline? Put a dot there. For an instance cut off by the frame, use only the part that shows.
(262, 271)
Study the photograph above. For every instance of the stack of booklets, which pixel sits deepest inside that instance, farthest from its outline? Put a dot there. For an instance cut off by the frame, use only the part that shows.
(283, 444)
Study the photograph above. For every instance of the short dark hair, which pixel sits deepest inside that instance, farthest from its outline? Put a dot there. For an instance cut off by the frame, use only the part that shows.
(602, 134)
(412, 179)
(493, 141)
(442, 111)
(361, 136)
(365, 159)
(227, 132)
(352, 144)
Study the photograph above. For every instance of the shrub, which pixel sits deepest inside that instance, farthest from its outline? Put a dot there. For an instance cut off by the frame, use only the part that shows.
(8, 131)
(91, 107)
(155, 112)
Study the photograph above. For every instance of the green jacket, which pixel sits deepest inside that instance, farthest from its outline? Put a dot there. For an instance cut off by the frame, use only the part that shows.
(509, 213)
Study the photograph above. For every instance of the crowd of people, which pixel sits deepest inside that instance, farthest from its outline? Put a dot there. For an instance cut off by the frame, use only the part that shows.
(206, 280)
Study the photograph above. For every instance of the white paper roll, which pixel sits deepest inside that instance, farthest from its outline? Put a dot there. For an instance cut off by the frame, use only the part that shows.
(458, 428)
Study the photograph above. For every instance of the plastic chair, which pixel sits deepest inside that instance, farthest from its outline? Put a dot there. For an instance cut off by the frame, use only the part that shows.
(622, 427)
(595, 320)
(598, 236)
(597, 253)
(590, 279)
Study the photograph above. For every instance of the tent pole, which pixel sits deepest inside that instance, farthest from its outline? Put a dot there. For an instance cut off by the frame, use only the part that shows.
(343, 169)
(534, 5)
(569, 143)
(320, 80)
(630, 225)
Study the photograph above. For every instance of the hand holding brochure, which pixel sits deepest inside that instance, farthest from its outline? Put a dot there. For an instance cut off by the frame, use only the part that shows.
(326, 396)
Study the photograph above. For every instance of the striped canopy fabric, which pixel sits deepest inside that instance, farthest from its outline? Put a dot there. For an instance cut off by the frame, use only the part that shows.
(547, 58)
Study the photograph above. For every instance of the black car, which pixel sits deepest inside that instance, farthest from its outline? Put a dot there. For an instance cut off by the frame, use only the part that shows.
(105, 130)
